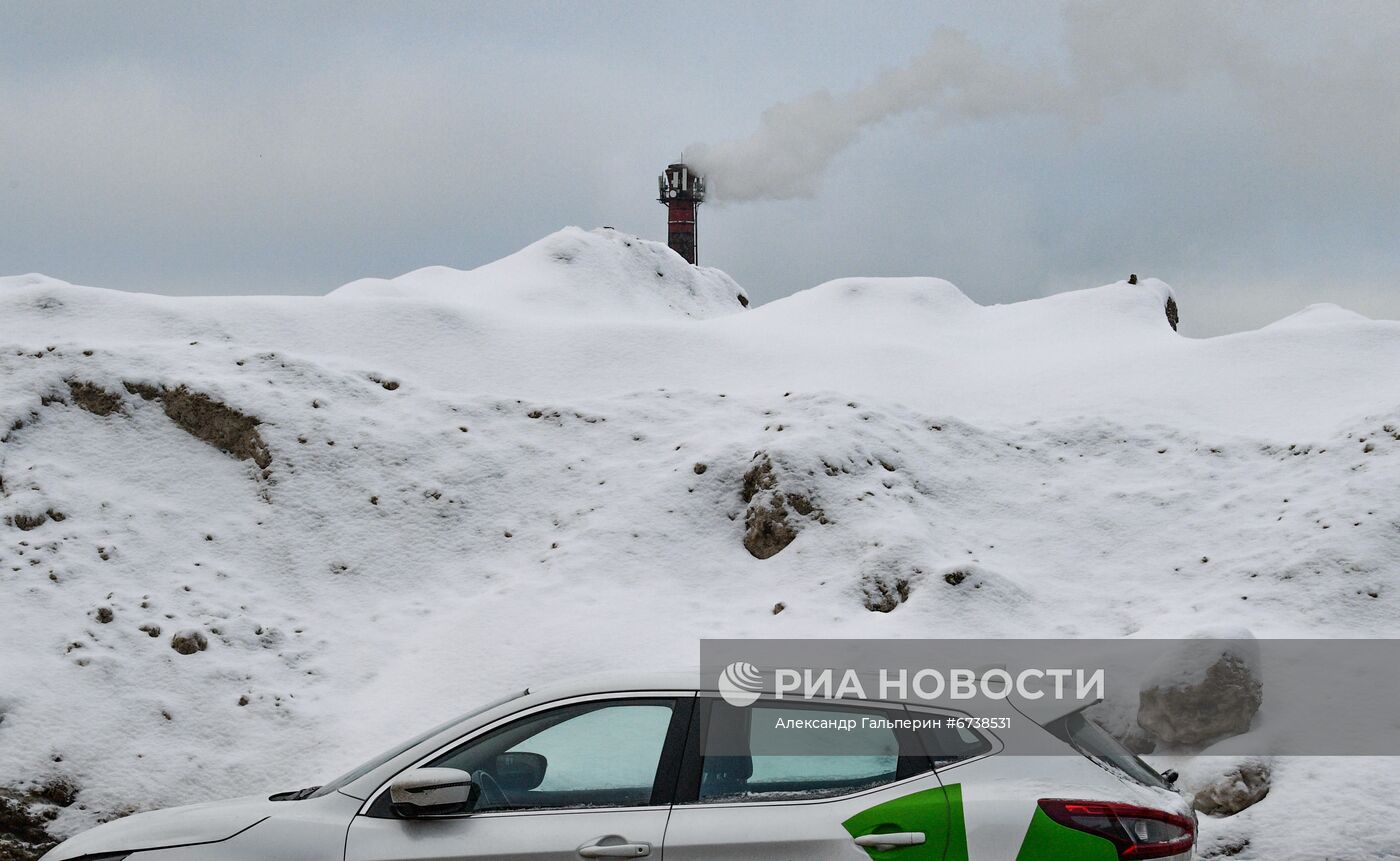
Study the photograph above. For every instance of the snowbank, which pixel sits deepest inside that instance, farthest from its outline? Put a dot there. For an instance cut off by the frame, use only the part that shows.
(479, 480)
(573, 273)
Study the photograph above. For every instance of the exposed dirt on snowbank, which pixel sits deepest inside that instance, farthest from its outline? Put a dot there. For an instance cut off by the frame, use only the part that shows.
(768, 527)
(216, 423)
(25, 815)
(93, 398)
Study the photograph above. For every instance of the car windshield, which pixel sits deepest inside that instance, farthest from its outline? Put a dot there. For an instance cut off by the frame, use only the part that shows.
(1092, 741)
(361, 770)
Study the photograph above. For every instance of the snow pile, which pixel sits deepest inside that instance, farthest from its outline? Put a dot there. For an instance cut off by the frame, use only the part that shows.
(572, 273)
(377, 508)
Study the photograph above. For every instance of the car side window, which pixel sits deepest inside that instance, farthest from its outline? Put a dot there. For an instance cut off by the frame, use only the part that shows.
(776, 751)
(599, 754)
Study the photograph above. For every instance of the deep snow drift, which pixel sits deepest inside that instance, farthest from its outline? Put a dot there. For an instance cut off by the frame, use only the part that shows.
(379, 507)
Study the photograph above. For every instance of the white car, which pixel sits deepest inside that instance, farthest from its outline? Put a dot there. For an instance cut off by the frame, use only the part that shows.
(617, 768)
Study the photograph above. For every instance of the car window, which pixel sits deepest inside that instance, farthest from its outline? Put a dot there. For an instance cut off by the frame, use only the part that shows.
(773, 751)
(588, 755)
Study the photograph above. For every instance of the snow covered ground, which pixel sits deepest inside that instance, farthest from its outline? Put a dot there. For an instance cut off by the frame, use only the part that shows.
(453, 484)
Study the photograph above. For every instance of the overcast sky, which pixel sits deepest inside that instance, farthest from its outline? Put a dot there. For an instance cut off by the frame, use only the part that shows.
(1243, 153)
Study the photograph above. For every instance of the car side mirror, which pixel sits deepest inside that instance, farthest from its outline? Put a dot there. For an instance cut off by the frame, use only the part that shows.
(431, 792)
(520, 771)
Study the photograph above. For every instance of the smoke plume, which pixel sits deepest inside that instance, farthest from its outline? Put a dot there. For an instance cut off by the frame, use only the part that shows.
(1310, 105)
(796, 142)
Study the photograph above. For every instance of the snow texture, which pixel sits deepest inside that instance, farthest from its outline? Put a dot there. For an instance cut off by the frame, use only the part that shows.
(476, 481)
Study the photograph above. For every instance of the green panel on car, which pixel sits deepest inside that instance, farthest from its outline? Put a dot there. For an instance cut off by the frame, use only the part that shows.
(1048, 840)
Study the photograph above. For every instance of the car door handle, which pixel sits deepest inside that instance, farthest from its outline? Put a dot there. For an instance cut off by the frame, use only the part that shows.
(890, 841)
(616, 850)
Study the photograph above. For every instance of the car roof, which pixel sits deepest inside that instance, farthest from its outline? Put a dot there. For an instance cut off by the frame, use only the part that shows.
(621, 681)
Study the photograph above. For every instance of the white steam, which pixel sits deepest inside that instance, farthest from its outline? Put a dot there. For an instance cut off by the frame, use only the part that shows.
(795, 142)
(1323, 103)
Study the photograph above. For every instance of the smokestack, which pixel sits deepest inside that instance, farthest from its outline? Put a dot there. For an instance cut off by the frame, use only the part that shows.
(682, 190)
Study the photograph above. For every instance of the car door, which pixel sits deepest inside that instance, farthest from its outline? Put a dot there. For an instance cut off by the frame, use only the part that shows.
(586, 778)
(797, 781)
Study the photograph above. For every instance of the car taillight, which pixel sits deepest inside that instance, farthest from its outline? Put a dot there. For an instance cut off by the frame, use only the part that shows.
(1136, 832)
